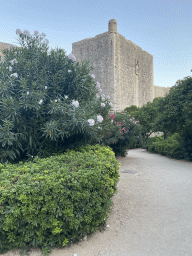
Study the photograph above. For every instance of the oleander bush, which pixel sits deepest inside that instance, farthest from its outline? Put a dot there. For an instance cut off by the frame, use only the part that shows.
(47, 101)
(130, 134)
(56, 200)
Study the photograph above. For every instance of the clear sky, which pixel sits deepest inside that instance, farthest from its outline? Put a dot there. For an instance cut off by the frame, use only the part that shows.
(160, 27)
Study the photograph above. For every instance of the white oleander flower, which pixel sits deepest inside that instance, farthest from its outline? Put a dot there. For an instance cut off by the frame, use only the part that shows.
(91, 122)
(99, 118)
(12, 61)
(14, 74)
(75, 103)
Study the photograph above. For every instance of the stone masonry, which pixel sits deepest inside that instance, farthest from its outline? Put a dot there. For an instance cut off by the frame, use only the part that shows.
(123, 69)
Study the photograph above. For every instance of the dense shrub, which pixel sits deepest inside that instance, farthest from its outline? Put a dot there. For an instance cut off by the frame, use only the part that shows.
(57, 200)
(169, 147)
(47, 101)
(185, 144)
(126, 138)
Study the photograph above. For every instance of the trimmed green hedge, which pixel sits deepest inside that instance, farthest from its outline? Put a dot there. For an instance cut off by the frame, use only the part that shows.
(56, 200)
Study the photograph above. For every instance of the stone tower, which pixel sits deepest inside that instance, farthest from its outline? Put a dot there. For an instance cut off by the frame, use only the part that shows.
(123, 69)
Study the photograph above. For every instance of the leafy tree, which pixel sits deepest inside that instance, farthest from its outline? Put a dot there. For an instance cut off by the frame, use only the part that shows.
(159, 123)
(177, 109)
(146, 116)
(177, 113)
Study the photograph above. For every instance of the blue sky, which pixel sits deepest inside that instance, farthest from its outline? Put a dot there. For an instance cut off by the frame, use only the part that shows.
(160, 27)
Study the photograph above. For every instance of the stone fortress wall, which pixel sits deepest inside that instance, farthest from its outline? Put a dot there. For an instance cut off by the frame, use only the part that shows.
(123, 69)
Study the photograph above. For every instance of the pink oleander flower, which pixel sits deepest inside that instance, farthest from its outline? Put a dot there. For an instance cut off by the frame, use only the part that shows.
(112, 116)
(36, 33)
(72, 57)
(18, 31)
(93, 76)
(102, 104)
(26, 32)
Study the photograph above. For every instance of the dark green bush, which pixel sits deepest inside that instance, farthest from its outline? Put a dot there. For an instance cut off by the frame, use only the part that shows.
(185, 144)
(46, 99)
(169, 147)
(57, 200)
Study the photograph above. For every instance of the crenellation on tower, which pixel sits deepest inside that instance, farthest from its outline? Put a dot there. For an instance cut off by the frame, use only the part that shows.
(112, 26)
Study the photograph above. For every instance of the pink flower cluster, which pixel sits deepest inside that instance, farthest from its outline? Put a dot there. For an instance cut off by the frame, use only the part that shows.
(118, 123)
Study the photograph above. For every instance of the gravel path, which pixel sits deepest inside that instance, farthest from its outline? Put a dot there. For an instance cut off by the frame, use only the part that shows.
(151, 215)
